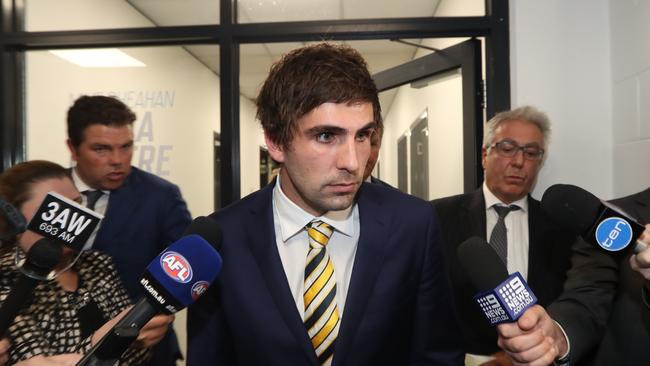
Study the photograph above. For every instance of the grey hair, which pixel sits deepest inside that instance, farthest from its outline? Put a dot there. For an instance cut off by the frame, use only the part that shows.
(526, 113)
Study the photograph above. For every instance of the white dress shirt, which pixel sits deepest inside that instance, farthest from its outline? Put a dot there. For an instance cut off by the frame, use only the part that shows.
(293, 244)
(518, 240)
(100, 205)
(517, 230)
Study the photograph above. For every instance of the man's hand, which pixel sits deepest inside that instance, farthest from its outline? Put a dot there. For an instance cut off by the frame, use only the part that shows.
(153, 331)
(640, 262)
(66, 359)
(149, 335)
(4, 351)
(535, 339)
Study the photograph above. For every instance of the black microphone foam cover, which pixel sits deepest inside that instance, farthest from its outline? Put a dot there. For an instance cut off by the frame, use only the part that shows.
(571, 207)
(42, 257)
(481, 263)
(208, 229)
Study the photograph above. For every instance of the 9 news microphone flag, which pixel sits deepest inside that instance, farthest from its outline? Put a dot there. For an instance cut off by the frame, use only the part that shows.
(501, 298)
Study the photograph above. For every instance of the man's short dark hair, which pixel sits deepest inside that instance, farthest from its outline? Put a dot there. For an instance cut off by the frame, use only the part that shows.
(308, 77)
(96, 109)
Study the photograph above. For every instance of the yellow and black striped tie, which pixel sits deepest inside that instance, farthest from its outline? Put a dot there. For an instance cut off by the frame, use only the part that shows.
(321, 313)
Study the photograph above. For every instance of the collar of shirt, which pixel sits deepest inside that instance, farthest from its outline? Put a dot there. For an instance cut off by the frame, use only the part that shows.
(293, 218)
(491, 200)
(81, 185)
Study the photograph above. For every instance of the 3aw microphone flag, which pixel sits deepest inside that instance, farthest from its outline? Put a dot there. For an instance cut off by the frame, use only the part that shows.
(64, 221)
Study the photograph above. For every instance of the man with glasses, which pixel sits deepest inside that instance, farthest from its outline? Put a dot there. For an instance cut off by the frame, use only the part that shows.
(503, 212)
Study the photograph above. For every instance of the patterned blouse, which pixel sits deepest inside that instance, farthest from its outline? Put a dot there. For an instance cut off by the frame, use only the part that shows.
(51, 325)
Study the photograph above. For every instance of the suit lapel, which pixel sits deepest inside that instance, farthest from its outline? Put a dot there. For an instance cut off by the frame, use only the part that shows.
(475, 215)
(536, 244)
(642, 207)
(120, 207)
(262, 243)
(368, 260)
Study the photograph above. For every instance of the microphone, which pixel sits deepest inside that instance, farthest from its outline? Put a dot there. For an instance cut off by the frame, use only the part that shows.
(60, 221)
(502, 298)
(174, 279)
(597, 221)
(12, 221)
(41, 258)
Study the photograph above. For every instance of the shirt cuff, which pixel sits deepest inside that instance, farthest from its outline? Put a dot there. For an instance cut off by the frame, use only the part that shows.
(564, 359)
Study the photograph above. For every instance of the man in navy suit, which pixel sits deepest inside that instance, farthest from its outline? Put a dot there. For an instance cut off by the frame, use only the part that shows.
(320, 268)
(143, 213)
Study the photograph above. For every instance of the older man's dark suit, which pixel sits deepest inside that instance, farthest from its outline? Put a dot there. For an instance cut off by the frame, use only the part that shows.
(143, 217)
(462, 217)
(627, 337)
(397, 310)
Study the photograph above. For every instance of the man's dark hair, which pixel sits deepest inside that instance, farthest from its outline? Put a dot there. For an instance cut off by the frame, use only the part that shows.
(96, 109)
(308, 77)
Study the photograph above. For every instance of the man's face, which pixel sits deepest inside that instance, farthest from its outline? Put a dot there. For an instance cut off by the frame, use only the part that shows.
(104, 155)
(512, 178)
(324, 164)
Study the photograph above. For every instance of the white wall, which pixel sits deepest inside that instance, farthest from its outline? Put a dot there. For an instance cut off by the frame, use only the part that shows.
(580, 62)
(630, 57)
(442, 99)
(560, 62)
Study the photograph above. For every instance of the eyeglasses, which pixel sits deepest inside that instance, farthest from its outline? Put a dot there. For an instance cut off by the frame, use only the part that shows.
(509, 148)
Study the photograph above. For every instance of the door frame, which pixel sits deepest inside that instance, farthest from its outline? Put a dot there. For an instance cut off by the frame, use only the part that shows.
(465, 56)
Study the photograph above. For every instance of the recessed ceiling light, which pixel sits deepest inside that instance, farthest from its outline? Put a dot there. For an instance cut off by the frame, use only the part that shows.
(99, 57)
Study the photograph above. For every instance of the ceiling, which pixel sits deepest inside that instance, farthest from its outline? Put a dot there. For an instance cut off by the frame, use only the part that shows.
(256, 59)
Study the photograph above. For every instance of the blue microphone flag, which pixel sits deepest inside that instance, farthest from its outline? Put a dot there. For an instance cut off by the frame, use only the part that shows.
(181, 273)
(597, 221)
(506, 302)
